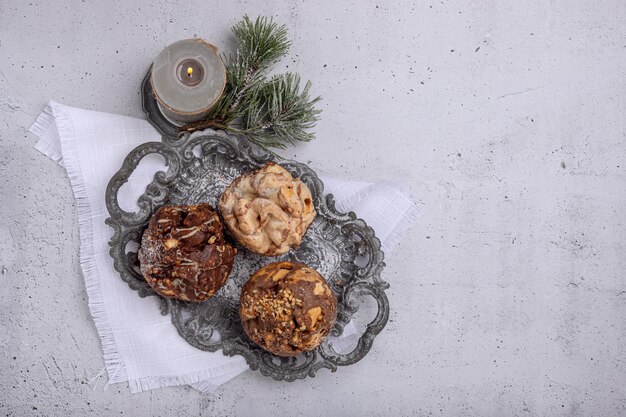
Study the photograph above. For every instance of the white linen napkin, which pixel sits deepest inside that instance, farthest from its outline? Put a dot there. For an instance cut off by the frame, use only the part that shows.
(139, 344)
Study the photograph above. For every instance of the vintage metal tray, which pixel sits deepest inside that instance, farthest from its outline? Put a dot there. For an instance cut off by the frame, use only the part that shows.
(339, 245)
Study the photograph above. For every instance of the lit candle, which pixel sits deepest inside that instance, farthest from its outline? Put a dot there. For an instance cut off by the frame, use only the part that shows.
(190, 72)
(187, 78)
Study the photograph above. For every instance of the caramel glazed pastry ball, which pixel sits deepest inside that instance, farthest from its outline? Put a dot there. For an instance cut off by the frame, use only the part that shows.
(268, 211)
(287, 308)
(183, 253)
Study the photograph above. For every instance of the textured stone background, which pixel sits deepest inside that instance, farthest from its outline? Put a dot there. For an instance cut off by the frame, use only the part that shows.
(506, 118)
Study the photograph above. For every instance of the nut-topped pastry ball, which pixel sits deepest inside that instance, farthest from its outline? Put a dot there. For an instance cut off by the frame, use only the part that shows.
(183, 253)
(268, 211)
(287, 308)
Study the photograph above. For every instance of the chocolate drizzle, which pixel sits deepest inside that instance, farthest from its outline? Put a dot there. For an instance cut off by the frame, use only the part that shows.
(183, 253)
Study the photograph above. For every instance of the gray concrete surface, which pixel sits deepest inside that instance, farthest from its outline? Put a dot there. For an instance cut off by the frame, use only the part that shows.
(506, 118)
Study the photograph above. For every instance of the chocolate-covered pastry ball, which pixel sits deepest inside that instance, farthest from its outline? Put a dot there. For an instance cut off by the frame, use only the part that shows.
(287, 308)
(183, 253)
(268, 211)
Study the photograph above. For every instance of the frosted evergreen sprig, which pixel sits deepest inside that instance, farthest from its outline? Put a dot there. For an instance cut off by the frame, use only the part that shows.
(272, 113)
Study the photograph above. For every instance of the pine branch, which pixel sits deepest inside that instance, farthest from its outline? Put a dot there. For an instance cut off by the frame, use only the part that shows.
(279, 114)
(262, 42)
(271, 113)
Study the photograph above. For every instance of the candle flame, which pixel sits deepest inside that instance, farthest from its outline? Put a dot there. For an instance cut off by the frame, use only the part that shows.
(189, 71)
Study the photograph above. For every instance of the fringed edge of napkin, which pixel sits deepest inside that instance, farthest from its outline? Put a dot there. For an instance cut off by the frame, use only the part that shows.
(199, 381)
(53, 113)
(42, 129)
(41, 125)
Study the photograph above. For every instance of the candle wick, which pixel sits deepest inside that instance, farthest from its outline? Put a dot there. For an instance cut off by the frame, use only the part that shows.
(189, 72)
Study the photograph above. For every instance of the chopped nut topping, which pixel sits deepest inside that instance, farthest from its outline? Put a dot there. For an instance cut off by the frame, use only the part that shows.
(314, 314)
(319, 289)
(280, 274)
(171, 243)
(291, 309)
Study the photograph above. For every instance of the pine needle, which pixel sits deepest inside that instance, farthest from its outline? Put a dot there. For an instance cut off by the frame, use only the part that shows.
(279, 114)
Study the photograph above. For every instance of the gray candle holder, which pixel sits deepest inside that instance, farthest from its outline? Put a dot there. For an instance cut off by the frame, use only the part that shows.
(187, 79)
